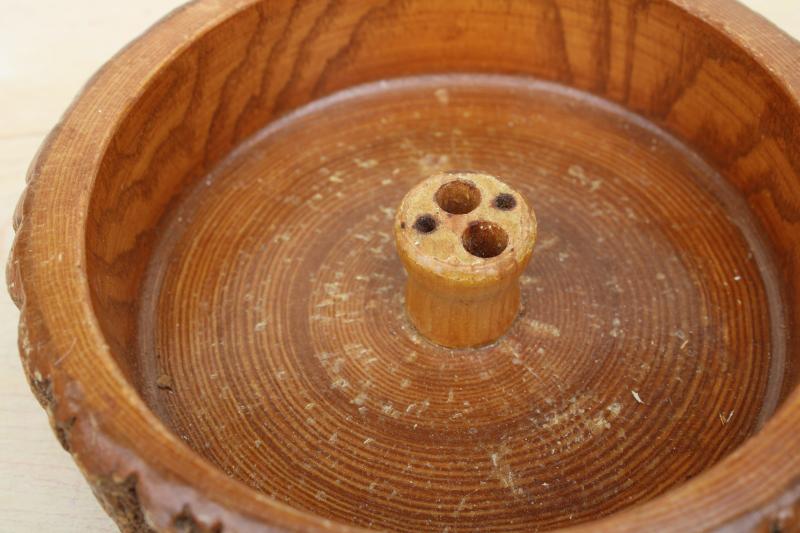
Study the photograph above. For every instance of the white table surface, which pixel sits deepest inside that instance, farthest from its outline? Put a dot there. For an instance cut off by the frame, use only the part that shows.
(48, 49)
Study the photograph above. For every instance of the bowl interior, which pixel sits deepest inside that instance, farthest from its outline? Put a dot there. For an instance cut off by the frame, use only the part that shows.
(243, 273)
(274, 342)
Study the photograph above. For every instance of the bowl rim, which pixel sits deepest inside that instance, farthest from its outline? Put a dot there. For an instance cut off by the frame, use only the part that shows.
(48, 280)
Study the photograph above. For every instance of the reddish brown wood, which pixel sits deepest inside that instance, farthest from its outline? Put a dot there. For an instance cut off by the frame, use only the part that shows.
(214, 320)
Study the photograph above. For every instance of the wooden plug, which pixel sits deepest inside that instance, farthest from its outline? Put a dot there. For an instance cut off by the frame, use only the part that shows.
(464, 239)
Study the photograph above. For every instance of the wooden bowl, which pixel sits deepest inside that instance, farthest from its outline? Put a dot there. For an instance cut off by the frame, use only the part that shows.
(212, 307)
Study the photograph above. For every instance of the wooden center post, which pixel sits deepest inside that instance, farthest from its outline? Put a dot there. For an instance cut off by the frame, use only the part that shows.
(464, 238)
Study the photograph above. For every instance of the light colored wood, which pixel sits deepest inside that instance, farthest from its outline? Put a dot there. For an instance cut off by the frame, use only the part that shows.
(464, 238)
(40, 489)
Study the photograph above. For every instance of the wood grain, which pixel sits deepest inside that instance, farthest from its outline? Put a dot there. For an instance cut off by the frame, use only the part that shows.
(286, 358)
(141, 141)
(41, 488)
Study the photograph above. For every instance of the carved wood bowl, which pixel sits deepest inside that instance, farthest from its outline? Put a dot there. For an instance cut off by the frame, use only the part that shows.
(212, 305)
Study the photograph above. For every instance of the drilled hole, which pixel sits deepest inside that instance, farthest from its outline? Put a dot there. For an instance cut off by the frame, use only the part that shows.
(458, 197)
(425, 224)
(484, 239)
(505, 201)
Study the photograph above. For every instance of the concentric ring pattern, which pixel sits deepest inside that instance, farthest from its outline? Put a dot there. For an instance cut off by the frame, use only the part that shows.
(278, 348)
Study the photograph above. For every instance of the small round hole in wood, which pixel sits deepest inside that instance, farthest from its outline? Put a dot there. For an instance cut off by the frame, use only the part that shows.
(505, 201)
(484, 239)
(458, 197)
(425, 224)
